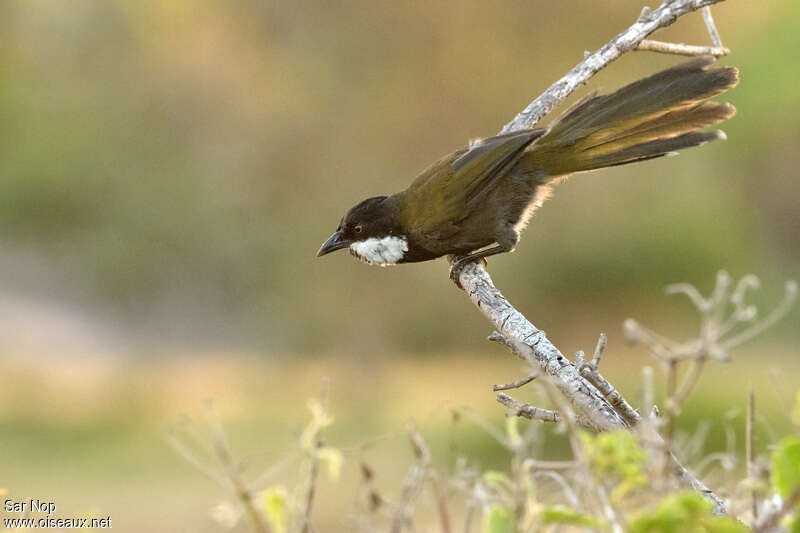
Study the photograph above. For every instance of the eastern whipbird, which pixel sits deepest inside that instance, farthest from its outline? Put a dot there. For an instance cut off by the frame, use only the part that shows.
(474, 202)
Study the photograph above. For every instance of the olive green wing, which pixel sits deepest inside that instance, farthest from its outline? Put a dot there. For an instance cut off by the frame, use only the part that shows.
(445, 191)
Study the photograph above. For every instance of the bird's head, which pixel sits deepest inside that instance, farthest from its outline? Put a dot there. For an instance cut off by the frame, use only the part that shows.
(371, 231)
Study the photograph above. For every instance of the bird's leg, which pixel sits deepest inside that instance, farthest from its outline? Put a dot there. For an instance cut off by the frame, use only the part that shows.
(460, 262)
(506, 239)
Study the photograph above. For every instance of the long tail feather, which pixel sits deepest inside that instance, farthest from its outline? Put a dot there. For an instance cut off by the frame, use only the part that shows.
(649, 118)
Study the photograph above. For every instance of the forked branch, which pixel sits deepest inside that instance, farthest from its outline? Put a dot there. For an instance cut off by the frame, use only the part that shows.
(596, 403)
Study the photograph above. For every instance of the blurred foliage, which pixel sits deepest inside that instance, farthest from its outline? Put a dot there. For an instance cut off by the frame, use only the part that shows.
(170, 168)
(558, 514)
(497, 519)
(685, 512)
(616, 456)
(786, 466)
(175, 166)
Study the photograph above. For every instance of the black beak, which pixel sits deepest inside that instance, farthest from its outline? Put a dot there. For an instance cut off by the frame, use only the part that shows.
(334, 242)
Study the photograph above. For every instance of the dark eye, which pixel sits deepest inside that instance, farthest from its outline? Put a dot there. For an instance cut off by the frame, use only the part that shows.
(357, 228)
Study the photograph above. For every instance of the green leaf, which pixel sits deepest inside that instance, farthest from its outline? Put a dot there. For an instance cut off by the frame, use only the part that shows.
(497, 519)
(795, 527)
(724, 524)
(276, 508)
(684, 512)
(559, 514)
(616, 454)
(786, 466)
(332, 459)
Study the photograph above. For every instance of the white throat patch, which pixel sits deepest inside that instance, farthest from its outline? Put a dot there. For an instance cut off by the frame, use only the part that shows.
(386, 251)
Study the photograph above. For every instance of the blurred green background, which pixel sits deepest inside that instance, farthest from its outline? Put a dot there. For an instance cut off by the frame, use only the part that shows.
(169, 169)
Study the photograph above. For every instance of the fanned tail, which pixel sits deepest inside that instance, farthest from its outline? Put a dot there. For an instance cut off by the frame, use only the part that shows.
(649, 118)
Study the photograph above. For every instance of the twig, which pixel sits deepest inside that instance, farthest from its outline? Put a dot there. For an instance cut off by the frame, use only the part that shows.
(789, 296)
(591, 372)
(417, 475)
(515, 384)
(530, 343)
(423, 454)
(600, 347)
(671, 411)
(749, 452)
(611, 394)
(569, 493)
(648, 403)
(402, 515)
(312, 485)
(648, 22)
(770, 520)
(313, 473)
(515, 331)
(232, 471)
(527, 411)
(550, 465)
(690, 50)
(712, 28)
(682, 49)
(689, 382)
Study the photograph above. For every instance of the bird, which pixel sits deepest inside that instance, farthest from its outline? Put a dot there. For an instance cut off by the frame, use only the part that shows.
(474, 203)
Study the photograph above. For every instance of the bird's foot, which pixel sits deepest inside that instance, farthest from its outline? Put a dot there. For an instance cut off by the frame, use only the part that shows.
(458, 265)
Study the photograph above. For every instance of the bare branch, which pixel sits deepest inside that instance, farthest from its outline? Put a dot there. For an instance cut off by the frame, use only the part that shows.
(515, 384)
(232, 470)
(528, 411)
(770, 520)
(712, 28)
(532, 344)
(591, 372)
(602, 342)
(682, 49)
(620, 404)
(648, 22)
(749, 452)
(789, 296)
(526, 341)
(596, 403)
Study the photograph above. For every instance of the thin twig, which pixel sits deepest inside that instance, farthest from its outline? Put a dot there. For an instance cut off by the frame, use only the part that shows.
(313, 473)
(232, 471)
(751, 465)
(402, 515)
(789, 296)
(531, 344)
(515, 384)
(671, 411)
(689, 382)
(712, 28)
(423, 454)
(591, 372)
(682, 49)
(602, 342)
(550, 465)
(522, 337)
(528, 411)
(770, 520)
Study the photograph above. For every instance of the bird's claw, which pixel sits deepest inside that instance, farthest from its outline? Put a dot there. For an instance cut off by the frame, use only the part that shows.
(458, 267)
(455, 272)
